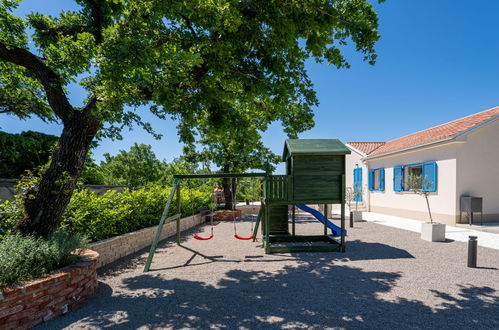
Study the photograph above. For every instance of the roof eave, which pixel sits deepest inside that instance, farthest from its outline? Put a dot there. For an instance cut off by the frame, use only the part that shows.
(356, 150)
(422, 145)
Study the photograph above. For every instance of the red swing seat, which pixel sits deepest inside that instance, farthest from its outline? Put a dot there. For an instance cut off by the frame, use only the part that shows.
(200, 238)
(244, 238)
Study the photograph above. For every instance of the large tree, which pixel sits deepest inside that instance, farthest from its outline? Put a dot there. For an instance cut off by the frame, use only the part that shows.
(235, 145)
(183, 59)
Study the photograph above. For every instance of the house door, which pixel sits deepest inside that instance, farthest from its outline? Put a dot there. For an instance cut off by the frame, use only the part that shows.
(357, 184)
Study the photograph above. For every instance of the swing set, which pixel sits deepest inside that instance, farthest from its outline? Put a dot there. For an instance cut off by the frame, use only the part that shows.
(315, 175)
(212, 213)
(177, 217)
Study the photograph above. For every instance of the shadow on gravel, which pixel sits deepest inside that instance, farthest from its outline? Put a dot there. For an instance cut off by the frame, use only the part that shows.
(316, 293)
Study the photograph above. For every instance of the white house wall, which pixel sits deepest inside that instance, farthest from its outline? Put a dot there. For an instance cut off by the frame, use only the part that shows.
(350, 162)
(409, 205)
(478, 169)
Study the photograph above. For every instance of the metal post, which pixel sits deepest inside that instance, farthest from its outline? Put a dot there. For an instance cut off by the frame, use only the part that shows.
(351, 219)
(293, 219)
(472, 251)
(179, 212)
(267, 228)
(343, 213)
(325, 219)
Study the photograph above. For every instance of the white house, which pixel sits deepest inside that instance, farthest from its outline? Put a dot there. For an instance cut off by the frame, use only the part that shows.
(459, 158)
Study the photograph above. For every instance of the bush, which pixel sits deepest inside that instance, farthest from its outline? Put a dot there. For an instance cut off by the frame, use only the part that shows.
(25, 258)
(100, 217)
(9, 214)
(112, 214)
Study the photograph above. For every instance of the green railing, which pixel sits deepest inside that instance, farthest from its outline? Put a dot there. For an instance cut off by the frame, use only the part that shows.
(276, 187)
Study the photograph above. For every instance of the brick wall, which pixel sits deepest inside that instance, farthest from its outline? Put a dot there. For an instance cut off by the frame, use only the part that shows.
(120, 246)
(226, 215)
(25, 306)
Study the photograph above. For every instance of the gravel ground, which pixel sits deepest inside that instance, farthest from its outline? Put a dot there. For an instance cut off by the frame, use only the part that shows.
(388, 279)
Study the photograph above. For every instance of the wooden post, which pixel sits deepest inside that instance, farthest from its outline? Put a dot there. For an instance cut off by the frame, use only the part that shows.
(160, 226)
(293, 219)
(343, 213)
(179, 212)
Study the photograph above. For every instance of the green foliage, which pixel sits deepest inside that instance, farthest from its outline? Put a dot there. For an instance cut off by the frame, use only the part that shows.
(137, 167)
(112, 214)
(92, 173)
(22, 152)
(419, 184)
(249, 190)
(186, 59)
(25, 258)
(204, 63)
(9, 214)
(100, 217)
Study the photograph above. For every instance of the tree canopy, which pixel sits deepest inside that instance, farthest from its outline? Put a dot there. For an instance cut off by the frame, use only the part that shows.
(24, 151)
(191, 60)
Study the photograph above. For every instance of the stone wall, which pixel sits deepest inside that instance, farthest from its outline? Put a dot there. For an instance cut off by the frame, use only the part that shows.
(25, 306)
(120, 246)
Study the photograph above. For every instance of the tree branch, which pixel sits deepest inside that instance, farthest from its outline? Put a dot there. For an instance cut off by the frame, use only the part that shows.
(49, 79)
(97, 16)
(62, 30)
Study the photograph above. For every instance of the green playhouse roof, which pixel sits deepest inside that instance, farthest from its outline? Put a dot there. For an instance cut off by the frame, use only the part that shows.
(293, 147)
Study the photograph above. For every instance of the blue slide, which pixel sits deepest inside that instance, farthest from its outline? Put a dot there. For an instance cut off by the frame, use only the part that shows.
(319, 216)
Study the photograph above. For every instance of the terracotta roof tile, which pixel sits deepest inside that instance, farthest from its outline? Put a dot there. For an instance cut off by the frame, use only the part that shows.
(436, 133)
(366, 147)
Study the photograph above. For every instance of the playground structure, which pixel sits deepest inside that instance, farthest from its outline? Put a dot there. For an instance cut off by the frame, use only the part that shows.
(315, 174)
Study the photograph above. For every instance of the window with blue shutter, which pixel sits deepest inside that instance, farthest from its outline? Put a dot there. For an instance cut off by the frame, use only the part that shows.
(377, 179)
(398, 178)
(430, 173)
(426, 171)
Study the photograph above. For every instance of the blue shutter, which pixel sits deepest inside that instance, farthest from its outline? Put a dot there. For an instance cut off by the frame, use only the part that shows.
(371, 180)
(398, 178)
(382, 179)
(430, 173)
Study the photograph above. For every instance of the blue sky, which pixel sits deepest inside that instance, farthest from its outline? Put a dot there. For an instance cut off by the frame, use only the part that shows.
(437, 61)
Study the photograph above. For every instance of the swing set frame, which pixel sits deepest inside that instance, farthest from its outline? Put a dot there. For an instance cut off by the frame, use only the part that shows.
(177, 217)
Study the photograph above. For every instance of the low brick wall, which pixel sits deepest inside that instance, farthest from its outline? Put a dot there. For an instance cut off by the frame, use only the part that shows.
(249, 209)
(25, 306)
(226, 215)
(120, 246)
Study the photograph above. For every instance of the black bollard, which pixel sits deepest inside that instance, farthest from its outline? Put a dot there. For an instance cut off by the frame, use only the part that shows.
(351, 219)
(472, 251)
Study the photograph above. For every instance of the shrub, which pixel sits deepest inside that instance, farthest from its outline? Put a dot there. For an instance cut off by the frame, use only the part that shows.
(9, 214)
(25, 258)
(112, 214)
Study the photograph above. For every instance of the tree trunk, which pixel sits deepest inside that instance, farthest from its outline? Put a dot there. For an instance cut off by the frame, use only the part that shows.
(43, 211)
(226, 185)
(230, 191)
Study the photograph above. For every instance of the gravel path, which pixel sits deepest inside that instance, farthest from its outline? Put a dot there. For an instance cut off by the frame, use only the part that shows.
(388, 278)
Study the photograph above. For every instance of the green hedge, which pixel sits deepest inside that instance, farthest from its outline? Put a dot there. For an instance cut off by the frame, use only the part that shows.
(112, 214)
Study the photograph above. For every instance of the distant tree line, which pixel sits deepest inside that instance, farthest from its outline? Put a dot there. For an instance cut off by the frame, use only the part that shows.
(138, 167)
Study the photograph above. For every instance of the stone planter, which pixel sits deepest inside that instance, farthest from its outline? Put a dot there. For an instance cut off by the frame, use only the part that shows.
(24, 306)
(433, 232)
(227, 215)
(357, 216)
